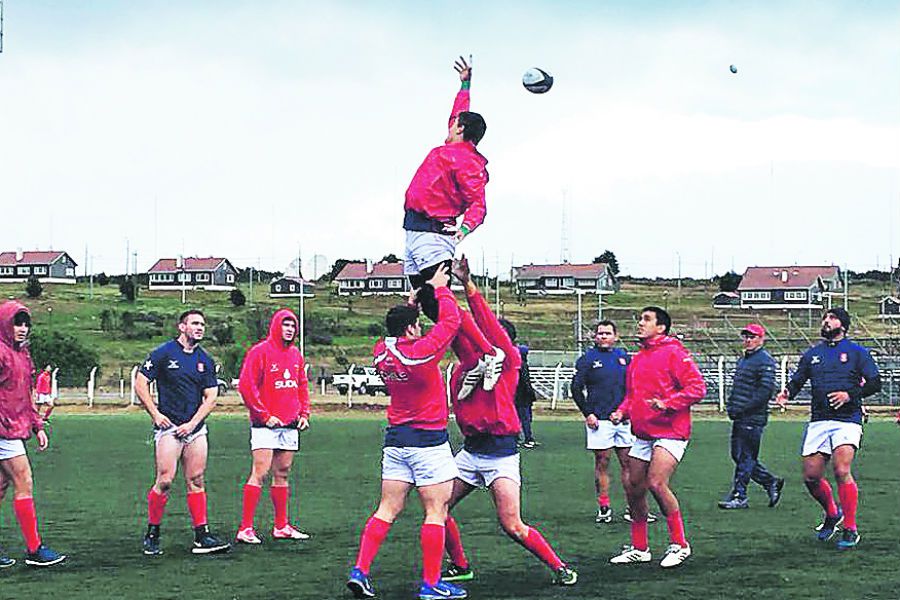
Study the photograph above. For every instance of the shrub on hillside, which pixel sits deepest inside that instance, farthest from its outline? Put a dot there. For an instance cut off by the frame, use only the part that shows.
(223, 333)
(73, 358)
(127, 289)
(33, 287)
(237, 297)
(102, 279)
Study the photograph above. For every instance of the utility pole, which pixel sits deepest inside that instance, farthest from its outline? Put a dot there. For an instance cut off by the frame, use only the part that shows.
(679, 275)
(302, 294)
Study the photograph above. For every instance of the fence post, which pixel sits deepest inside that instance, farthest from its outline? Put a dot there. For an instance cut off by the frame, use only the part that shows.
(121, 388)
(90, 387)
(54, 384)
(350, 394)
(447, 379)
(555, 396)
(784, 372)
(134, 371)
(721, 383)
(323, 386)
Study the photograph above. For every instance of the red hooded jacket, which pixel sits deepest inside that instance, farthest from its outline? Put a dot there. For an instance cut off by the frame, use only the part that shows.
(273, 378)
(491, 412)
(43, 384)
(450, 181)
(18, 415)
(662, 369)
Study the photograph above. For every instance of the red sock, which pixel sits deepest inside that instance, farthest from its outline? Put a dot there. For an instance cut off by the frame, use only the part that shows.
(432, 540)
(27, 517)
(373, 534)
(470, 330)
(603, 500)
(197, 506)
(251, 499)
(537, 545)
(676, 528)
(849, 495)
(821, 491)
(280, 495)
(156, 506)
(453, 542)
(47, 412)
(639, 535)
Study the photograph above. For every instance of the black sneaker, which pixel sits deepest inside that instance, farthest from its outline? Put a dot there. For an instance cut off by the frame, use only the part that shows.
(604, 515)
(5, 561)
(734, 504)
(43, 557)
(151, 541)
(457, 573)
(774, 491)
(206, 543)
(565, 576)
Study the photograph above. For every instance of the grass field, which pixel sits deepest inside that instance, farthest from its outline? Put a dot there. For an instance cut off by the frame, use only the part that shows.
(91, 484)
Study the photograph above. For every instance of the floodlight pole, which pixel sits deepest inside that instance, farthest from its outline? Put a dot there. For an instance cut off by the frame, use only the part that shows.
(1, 25)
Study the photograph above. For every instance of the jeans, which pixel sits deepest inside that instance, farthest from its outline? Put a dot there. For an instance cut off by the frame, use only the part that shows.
(745, 440)
(524, 412)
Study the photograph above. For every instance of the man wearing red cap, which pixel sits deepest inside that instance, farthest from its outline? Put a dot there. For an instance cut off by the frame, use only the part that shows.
(748, 408)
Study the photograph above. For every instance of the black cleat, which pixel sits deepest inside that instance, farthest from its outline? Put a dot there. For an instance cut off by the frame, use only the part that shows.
(206, 543)
(151, 541)
(774, 492)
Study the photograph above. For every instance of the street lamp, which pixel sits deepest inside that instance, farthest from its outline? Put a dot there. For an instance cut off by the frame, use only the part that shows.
(50, 315)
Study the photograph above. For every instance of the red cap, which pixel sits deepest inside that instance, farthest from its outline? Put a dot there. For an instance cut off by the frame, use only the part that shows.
(755, 329)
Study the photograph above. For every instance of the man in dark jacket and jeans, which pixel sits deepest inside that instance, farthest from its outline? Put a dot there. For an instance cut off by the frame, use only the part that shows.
(748, 408)
(524, 400)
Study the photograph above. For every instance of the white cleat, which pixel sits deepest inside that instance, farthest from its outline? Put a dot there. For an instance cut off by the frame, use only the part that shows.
(471, 380)
(289, 533)
(247, 536)
(675, 555)
(493, 365)
(630, 554)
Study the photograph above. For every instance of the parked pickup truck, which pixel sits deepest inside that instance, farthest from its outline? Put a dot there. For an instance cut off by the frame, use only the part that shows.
(364, 380)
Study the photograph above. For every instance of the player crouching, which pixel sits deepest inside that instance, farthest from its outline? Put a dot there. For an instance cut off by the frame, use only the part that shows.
(273, 385)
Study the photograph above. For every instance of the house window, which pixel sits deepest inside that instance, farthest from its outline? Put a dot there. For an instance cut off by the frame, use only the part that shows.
(70, 271)
(395, 284)
(756, 295)
(568, 282)
(795, 295)
(551, 282)
(229, 278)
(376, 284)
(6, 270)
(40, 270)
(202, 277)
(23, 271)
(277, 287)
(293, 287)
(184, 277)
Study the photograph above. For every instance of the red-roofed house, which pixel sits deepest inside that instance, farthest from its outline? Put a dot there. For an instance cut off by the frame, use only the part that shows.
(788, 287)
(217, 274)
(48, 267)
(383, 278)
(566, 278)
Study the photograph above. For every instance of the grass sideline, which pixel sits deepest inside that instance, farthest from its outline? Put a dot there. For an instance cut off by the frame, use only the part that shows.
(91, 484)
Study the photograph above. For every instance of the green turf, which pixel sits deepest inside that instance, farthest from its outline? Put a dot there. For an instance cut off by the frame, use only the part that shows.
(90, 489)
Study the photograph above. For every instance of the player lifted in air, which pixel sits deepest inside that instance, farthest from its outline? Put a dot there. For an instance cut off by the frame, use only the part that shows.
(449, 184)
(661, 384)
(416, 445)
(490, 424)
(18, 420)
(185, 378)
(274, 388)
(841, 374)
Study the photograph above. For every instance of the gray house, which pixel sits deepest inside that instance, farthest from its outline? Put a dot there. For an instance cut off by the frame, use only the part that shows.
(290, 287)
(215, 274)
(48, 267)
(566, 278)
(889, 307)
(788, 287)
(383, 279)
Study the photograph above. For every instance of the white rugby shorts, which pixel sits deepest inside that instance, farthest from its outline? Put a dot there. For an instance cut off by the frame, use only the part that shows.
(481, 470)
(425, 249)
(609, 435)
(44, 399)
(825, 436)
(643, 449)
(274, 438)
(159, 434)
(419, 466)
(11, 448)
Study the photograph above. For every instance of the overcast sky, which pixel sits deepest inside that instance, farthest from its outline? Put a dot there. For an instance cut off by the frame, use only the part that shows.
(253, 129)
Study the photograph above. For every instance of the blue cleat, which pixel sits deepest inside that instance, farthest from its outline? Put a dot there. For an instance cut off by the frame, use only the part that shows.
(43, 557)
(849, 539)
(440, 591)
(5, 561)
(829, 526)
(359, 584)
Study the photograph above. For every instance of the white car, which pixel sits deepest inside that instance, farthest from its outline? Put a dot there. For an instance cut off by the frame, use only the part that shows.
(364, 380)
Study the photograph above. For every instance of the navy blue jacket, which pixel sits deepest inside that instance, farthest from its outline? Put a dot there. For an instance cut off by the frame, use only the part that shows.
(181, 378)
(602, 372)
(752, 388)
(833, 367)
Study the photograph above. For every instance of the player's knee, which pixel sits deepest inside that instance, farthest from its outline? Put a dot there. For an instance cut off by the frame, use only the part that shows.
(842, 473)
(164, 483)
(195, 482)
(657, 485)
(514, 527)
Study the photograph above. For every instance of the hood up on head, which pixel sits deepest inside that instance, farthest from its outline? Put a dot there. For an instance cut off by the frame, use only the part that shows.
(8, 312)
(275, 325)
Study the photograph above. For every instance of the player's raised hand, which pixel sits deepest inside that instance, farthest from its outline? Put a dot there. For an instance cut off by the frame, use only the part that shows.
(463, 68)
(43, 440)
(413, 298)
(461, 269)
(302, 423)
(441, 277)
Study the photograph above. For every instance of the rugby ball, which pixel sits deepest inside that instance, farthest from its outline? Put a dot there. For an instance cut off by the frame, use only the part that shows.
(537, 81)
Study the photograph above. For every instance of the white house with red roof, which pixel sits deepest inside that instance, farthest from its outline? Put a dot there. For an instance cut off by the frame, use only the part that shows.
(788, 287)
(48, 266)
(380, 278)
(214, 274)
(566, 278)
